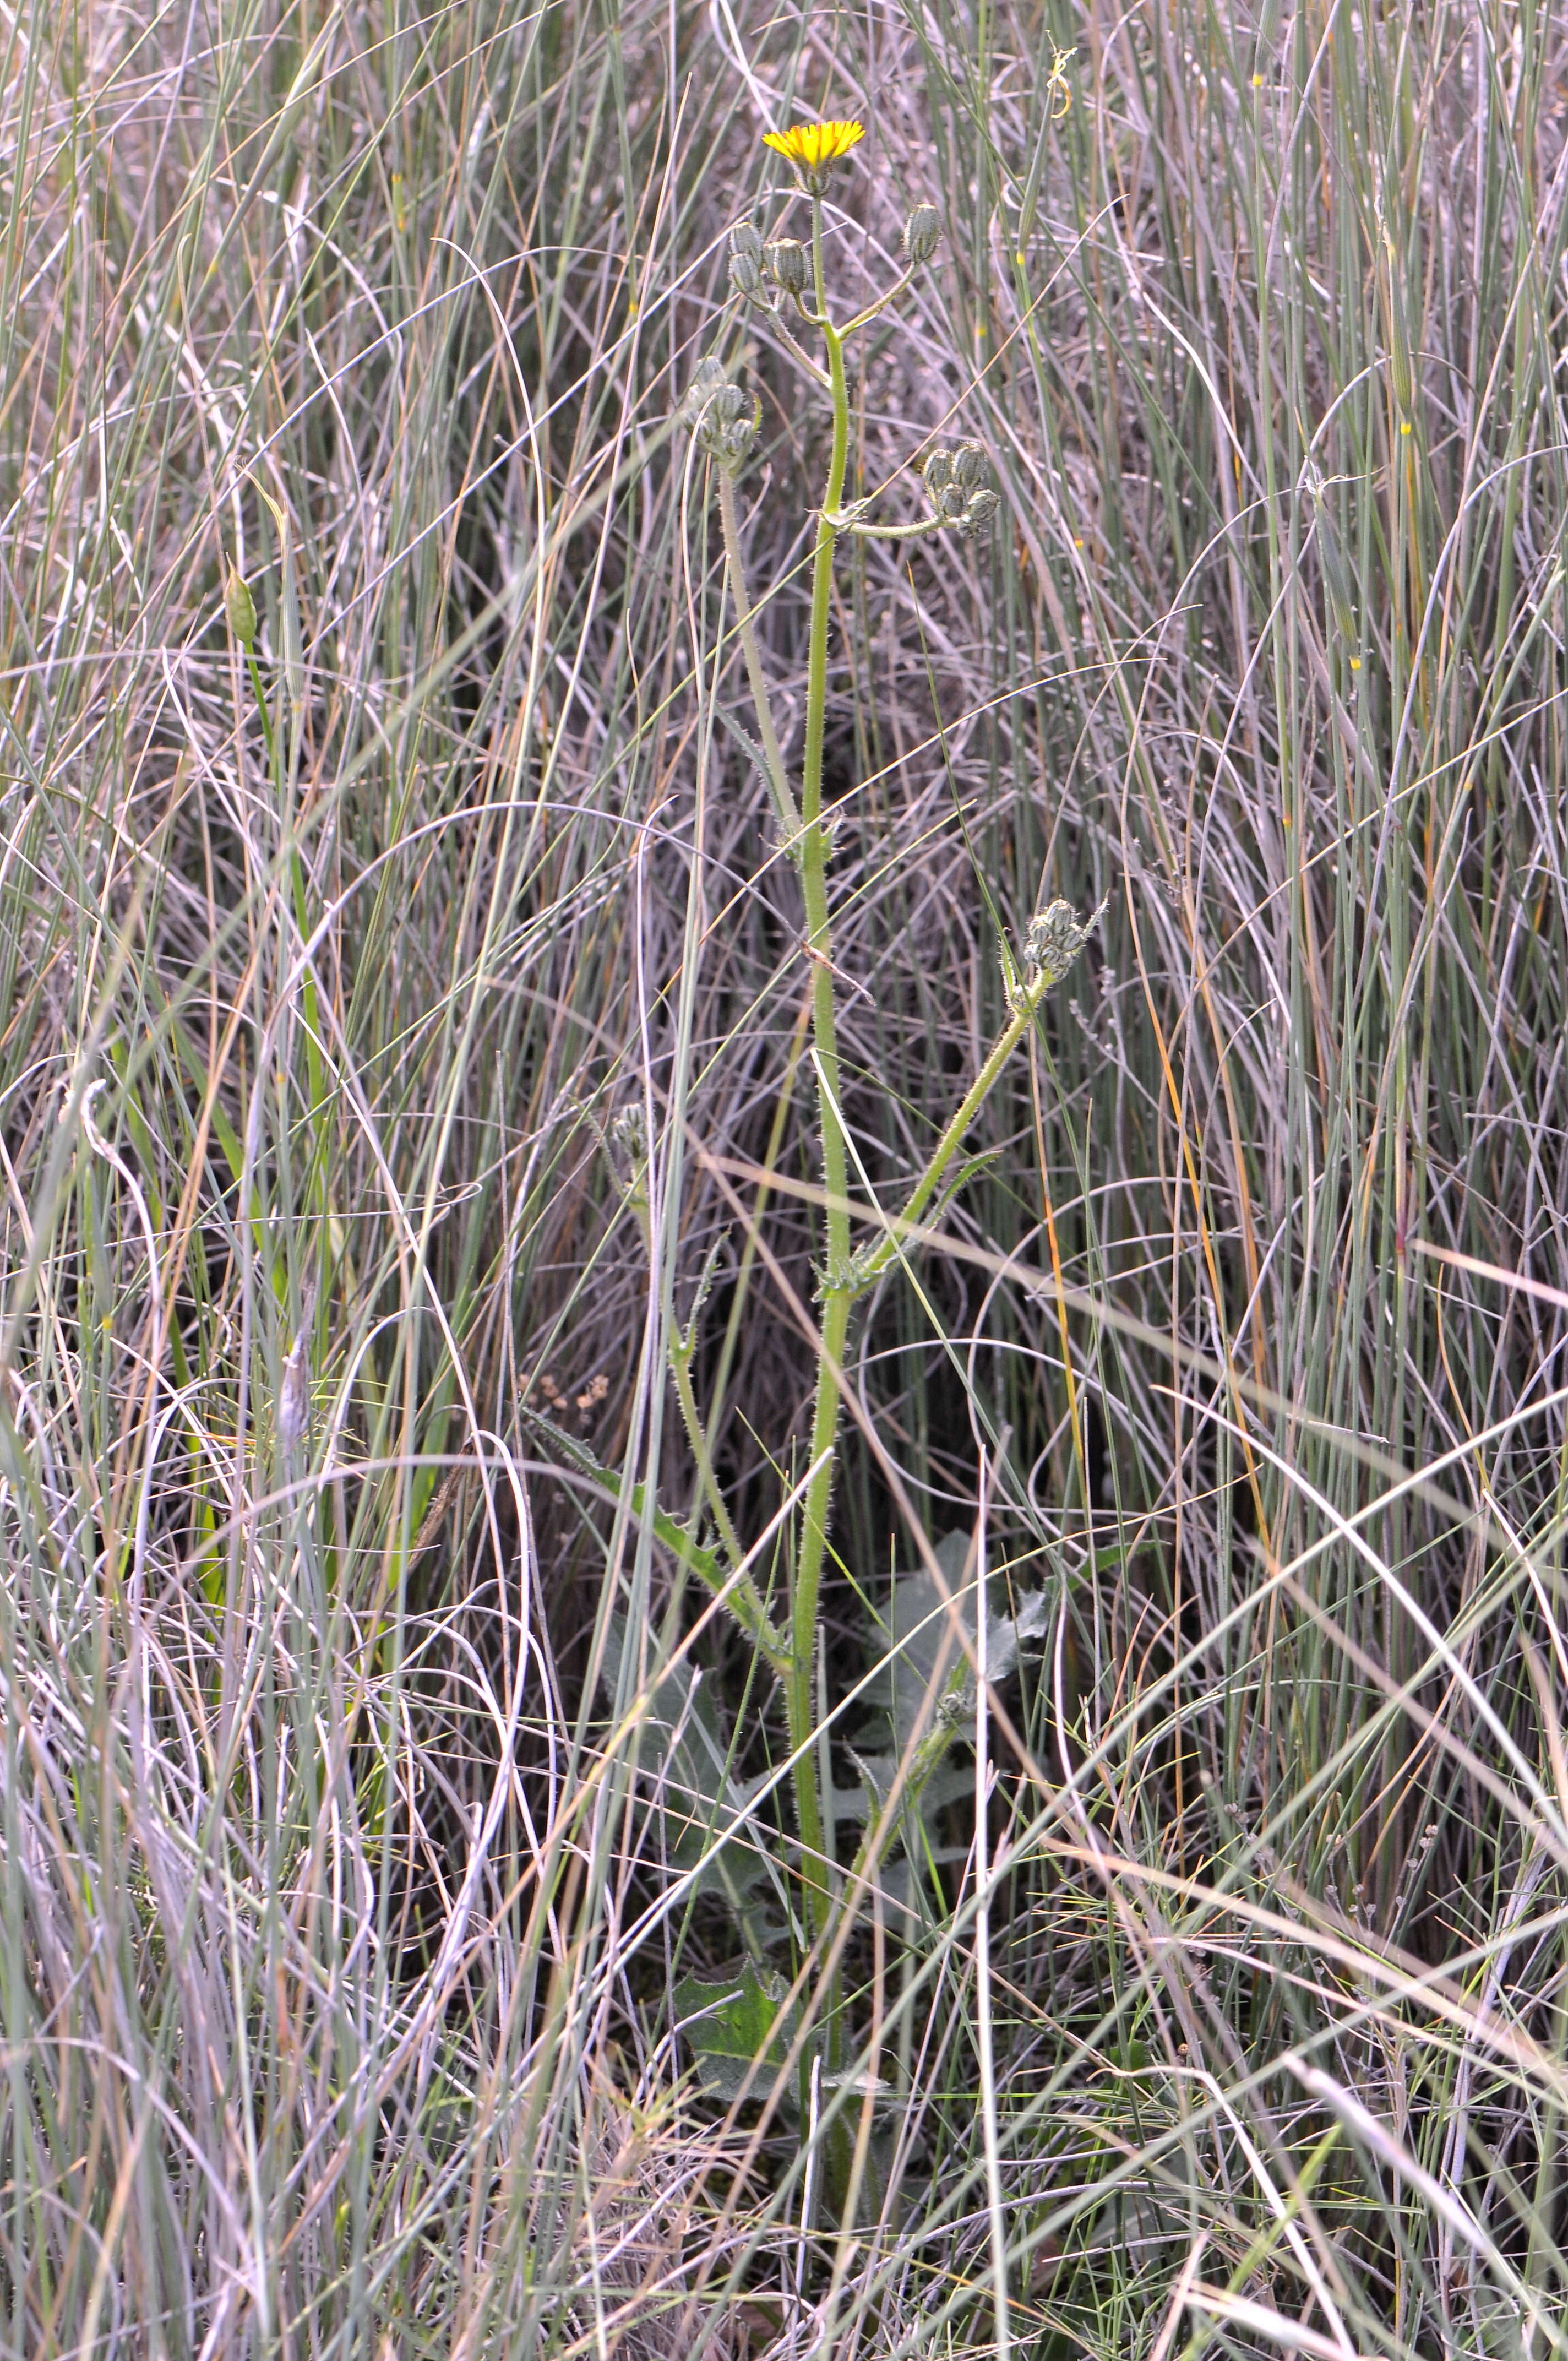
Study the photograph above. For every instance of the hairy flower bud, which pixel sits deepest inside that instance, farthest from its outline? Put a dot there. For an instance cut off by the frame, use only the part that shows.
(948, 497)
(921, 233)
(982, 507)
(706, 380)
(628, 1137)
(968, 466)
(787, 263)
(1055, 937)
(240, 608)
(739, 439)
(727, 425)
(746, 261)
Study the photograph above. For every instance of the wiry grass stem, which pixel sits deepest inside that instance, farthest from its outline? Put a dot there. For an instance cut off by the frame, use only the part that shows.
(773, 754)
(382, 1755)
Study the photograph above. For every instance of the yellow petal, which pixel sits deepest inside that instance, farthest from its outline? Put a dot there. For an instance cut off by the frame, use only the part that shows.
(812, 145)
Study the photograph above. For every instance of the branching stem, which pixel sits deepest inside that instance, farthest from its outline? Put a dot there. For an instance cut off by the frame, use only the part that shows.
(794, 1655)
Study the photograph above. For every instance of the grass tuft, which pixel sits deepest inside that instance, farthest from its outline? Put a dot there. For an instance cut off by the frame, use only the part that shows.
(406, 1063)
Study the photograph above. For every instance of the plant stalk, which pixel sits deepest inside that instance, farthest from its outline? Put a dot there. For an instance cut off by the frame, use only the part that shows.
(837, 1293)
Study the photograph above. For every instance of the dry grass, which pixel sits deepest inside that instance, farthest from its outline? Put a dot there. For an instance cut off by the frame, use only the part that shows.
(347, 1878)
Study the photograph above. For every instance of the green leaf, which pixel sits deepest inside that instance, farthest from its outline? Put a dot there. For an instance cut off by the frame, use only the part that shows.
(606, 1480)
(747, 746)
(686, 1755)
(915, 1638)
(923, 1654)
(924, 1682)
(736, 2027)
(865, 1800)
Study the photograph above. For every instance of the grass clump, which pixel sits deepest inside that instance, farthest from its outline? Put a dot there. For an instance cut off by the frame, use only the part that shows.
(721, 1628)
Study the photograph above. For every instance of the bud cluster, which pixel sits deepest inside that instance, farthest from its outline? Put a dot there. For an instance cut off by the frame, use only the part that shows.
(729, 426)
(957, 488)
(1055, 937)
(724, 421)
(758, 272)
(746, 263)
(628, 1138)
(706, 380)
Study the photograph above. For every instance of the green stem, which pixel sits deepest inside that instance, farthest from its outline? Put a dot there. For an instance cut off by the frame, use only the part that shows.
(738, 1590)
(273, 764)
(753, 1229)
(745, 1600)
(838, 1292)
(897, 531)
(861, 319)
(843, 1278)
(805, 832)
(819, 375)
(1027, 1000)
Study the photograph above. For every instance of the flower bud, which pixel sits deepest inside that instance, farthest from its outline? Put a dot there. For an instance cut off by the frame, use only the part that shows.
(735, 443)
(746, 261)
(968, 466)
(1055, 937)
(727, 426)
(629, 1136)
(982, 507)
(706, 380)
(946, 495)
(240, 608)
(921, 232)
(787, 263)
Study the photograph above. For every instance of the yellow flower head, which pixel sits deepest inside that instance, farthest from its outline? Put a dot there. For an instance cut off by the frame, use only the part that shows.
(814, 147)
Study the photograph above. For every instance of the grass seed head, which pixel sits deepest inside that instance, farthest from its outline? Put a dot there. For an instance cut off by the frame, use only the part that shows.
(295, 1394)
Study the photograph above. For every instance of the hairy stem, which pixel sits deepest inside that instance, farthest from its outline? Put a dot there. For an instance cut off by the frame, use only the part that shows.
(873, 1263)
(745, 1600)
(837, 1292)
